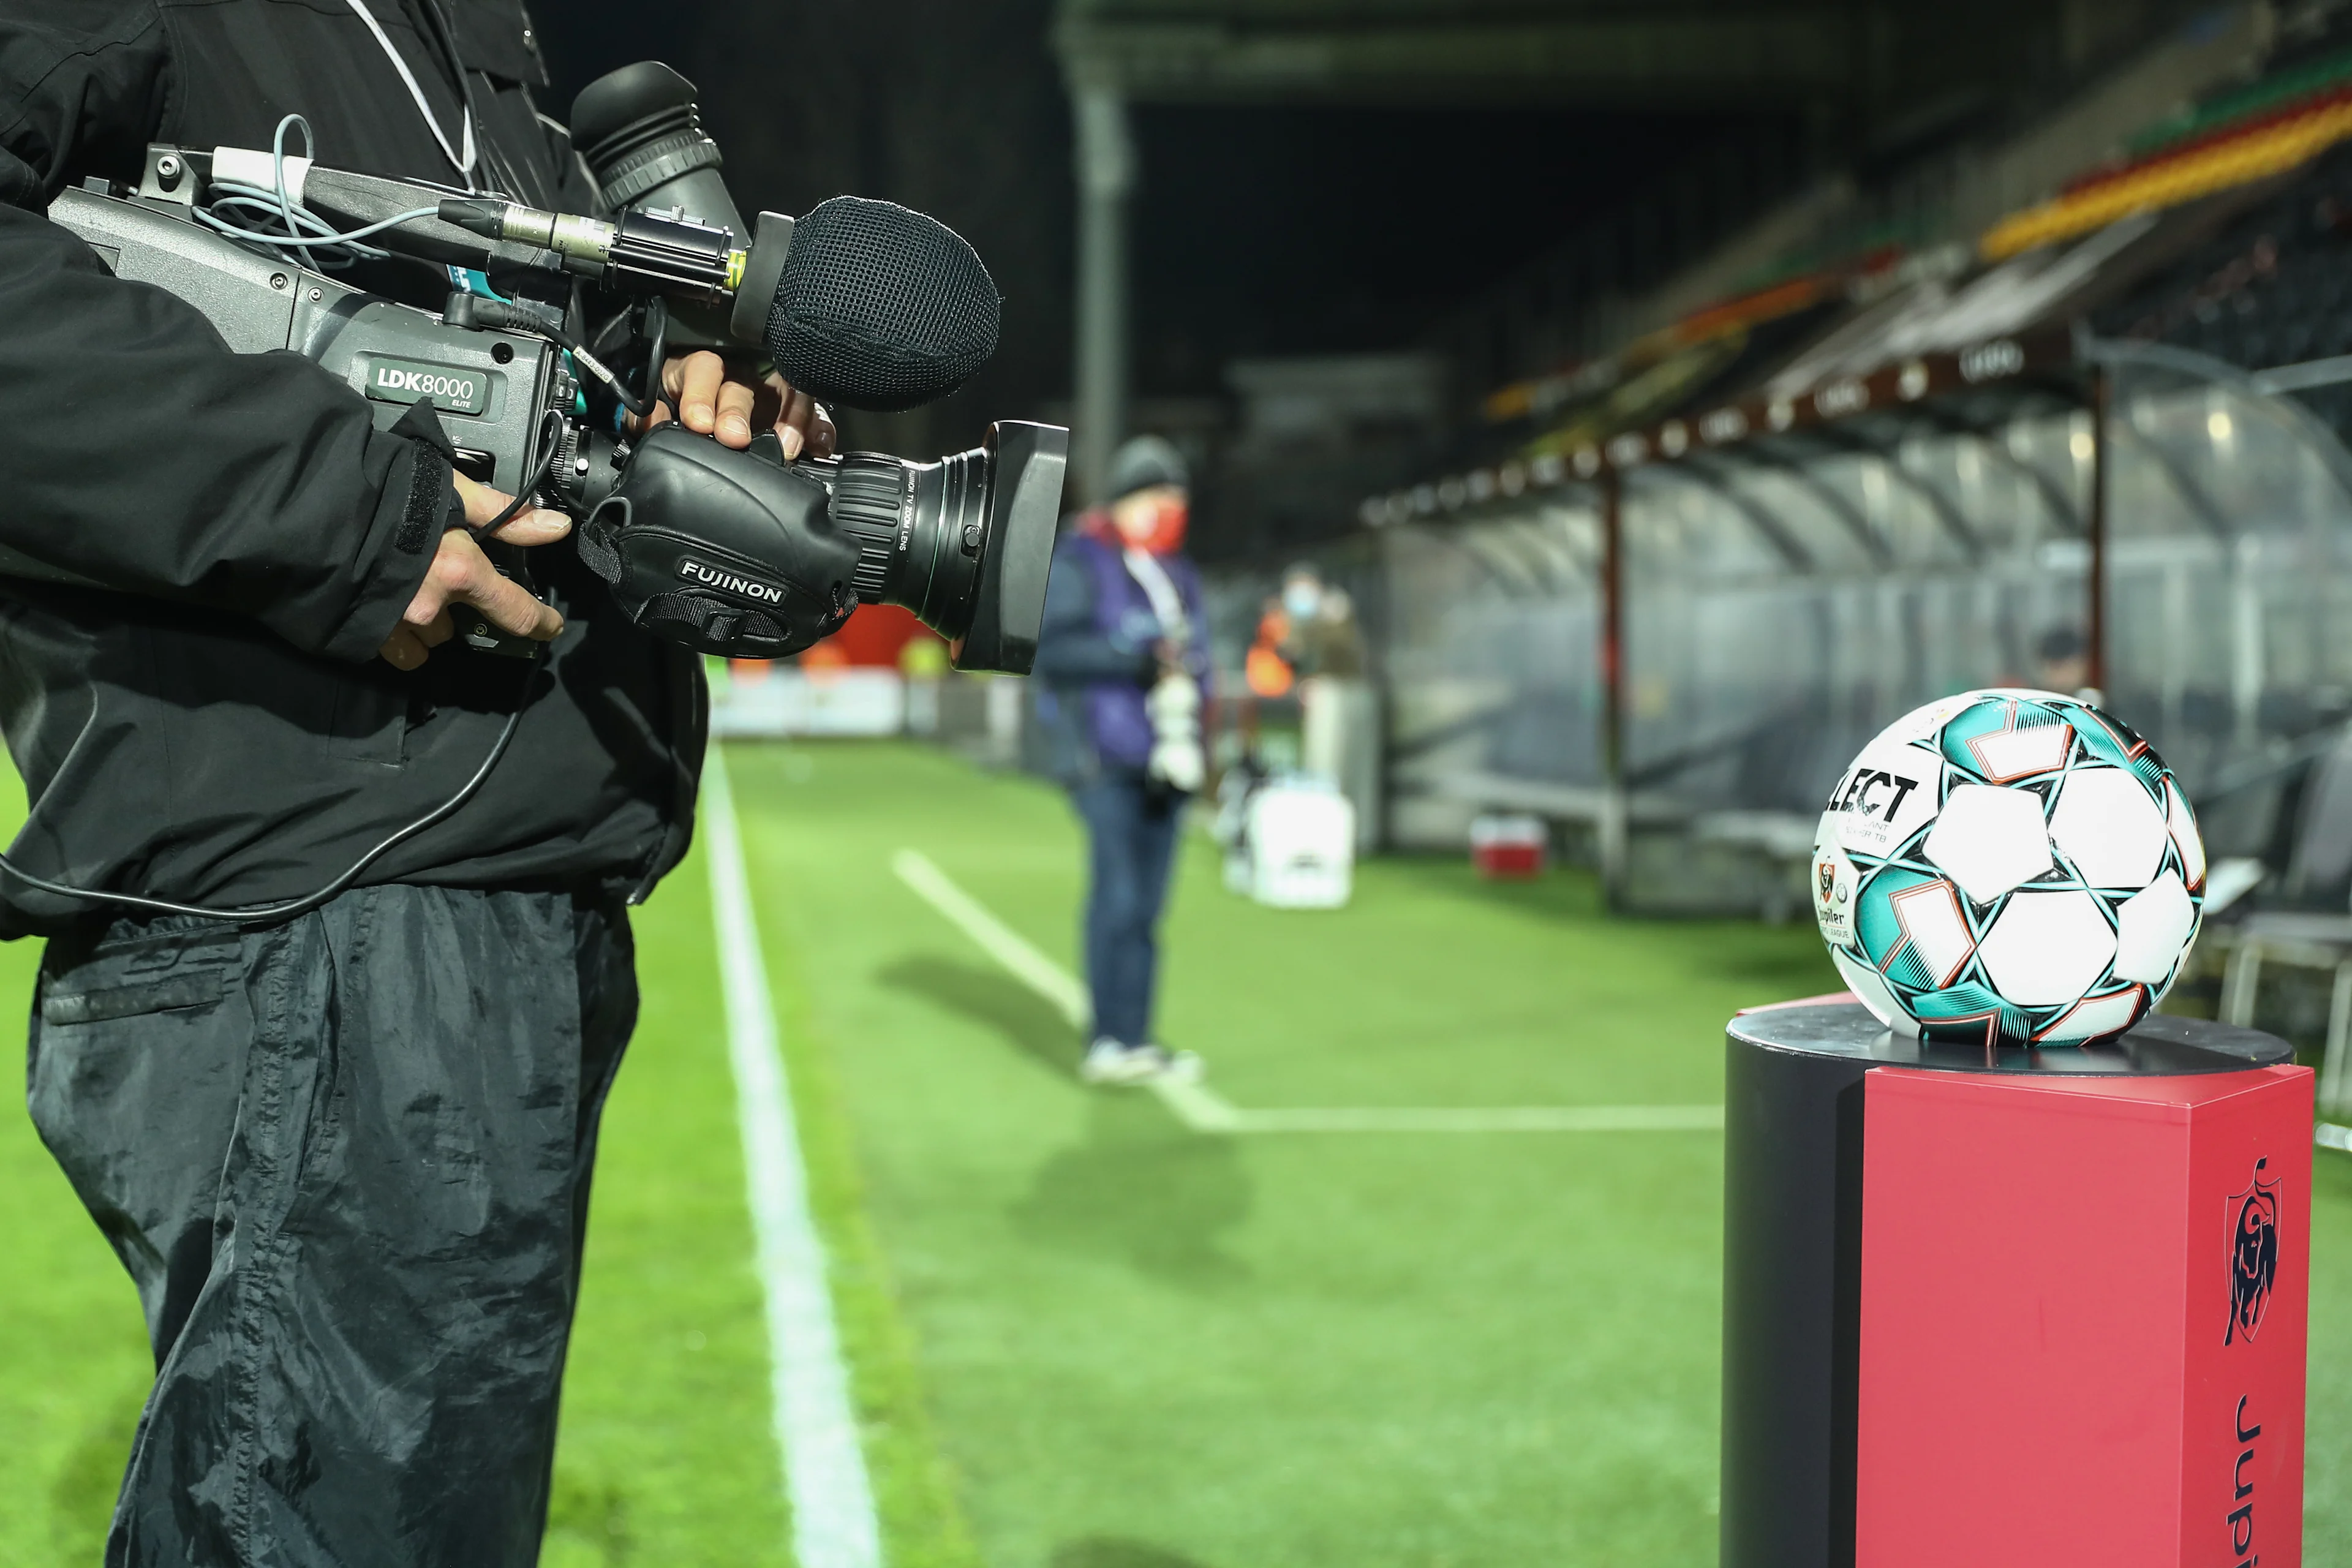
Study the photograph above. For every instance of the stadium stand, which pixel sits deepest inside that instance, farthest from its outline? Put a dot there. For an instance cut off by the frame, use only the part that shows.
(1913, 430)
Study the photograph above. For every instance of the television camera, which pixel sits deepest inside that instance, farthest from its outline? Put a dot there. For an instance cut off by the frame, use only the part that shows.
(739, 554)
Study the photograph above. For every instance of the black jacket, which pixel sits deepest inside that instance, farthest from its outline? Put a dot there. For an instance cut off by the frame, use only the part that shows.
(219, 730)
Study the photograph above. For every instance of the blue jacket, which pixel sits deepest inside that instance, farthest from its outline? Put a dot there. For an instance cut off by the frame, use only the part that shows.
(1096, 658)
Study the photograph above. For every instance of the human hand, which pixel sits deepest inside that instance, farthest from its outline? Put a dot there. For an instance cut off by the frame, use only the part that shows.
(725, 399)
(462, 574)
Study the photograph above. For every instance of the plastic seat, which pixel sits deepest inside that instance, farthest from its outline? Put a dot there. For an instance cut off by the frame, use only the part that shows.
(2299, 941)
(2318, 934)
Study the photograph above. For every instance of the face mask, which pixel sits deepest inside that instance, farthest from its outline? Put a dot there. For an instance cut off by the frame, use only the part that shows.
(1157, 528)
(1301, 600)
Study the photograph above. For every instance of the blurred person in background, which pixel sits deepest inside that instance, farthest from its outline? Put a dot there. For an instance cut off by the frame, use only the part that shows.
(1338, 711)
(1268, 670)
(1320, 632)
(2062, 662)
(1124, 664)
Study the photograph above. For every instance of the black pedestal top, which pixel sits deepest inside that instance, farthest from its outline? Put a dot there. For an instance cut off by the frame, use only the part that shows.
(2160, 1046)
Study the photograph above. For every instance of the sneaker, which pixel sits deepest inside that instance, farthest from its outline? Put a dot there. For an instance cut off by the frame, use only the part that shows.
(1110, 1062)
(1176, 1066)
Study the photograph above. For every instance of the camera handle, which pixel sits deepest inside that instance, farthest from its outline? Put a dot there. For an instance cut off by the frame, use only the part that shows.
(512, 561)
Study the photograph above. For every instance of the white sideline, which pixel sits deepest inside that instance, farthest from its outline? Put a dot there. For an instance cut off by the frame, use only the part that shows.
(834, 1522)
(1204, 1110)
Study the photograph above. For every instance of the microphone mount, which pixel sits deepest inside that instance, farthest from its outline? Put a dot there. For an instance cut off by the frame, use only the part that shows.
(860, 303)
(650, 253)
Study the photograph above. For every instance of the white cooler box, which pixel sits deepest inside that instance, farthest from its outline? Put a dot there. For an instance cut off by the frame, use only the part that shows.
(1300, 845)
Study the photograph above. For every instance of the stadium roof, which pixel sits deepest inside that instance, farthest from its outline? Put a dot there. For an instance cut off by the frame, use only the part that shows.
(1935, 351)
(1481, 52)
(1867, 345)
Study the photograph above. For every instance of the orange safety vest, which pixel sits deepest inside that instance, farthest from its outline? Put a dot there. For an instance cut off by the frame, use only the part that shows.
(1266, 671)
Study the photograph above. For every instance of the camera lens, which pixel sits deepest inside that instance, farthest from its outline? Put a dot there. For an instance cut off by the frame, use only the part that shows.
(745, 556)
(920, 529)
(964, 542)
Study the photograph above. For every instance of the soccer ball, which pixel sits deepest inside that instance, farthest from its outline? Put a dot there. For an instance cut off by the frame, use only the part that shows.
(2008, 868)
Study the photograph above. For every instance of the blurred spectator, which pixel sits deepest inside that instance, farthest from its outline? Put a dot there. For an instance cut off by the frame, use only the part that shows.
(1266, 669)
(1339, 713)
(1123, 660)
(2063, 662)
(1321, 636)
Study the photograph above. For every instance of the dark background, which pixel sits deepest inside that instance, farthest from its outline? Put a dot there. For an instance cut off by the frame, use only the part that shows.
(1506, 242)
(1257, 230)
(1329, 229)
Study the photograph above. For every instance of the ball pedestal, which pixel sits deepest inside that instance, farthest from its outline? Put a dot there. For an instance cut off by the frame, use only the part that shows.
(2047, 1306)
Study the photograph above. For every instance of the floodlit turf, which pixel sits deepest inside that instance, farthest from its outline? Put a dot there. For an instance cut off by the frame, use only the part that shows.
(73, 1352)
(1144, 1347)
(1080, 1336)
(665, 1455)
(2328, 1453)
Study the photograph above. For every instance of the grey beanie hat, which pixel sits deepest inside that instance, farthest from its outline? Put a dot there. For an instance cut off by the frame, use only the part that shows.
(1143, 462)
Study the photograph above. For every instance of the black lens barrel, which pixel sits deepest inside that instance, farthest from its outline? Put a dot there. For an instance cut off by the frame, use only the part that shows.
(870, 492)
(920, 529)
(966, 542)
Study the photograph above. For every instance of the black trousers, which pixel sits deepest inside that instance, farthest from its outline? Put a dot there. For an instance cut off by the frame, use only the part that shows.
(346, 1161)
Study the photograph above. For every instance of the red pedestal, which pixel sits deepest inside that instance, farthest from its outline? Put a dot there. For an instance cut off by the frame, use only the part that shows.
(2084, 1314)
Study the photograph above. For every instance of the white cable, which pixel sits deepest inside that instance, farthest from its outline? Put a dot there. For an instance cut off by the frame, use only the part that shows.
(304, 228)
(267, 201)
(278, 180)
(465, 165)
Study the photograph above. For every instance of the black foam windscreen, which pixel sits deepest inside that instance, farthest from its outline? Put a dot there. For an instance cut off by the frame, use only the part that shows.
(881, 307)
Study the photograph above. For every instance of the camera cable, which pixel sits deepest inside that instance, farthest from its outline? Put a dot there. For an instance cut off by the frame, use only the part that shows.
(504, 175)
(472, 311)
(550, 441)
(270, 914)
(658, 350)
(464, 164)
(304, 229)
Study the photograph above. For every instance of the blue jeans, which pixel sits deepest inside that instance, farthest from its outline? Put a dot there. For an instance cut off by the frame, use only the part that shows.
(1131, 831)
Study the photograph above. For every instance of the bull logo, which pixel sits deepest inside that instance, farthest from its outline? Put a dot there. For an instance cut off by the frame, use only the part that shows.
(2254, 1256)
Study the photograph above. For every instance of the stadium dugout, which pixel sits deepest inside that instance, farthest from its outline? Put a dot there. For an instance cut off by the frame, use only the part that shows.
(1720, 557)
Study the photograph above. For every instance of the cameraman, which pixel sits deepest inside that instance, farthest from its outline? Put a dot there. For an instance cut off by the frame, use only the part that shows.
(345, 1157)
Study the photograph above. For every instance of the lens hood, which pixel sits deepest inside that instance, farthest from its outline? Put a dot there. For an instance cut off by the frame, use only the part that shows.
(1024, 508)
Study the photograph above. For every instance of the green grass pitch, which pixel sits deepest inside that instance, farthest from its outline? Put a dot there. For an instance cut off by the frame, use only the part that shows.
(1080, 1336)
